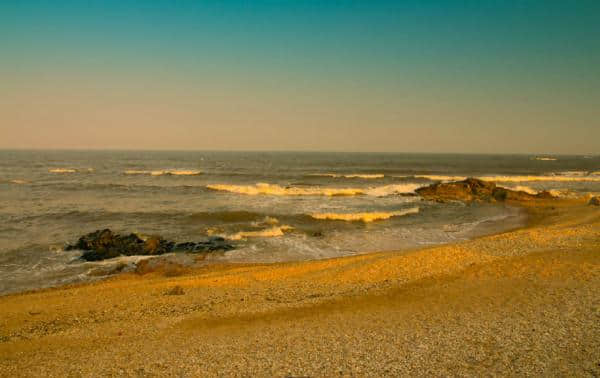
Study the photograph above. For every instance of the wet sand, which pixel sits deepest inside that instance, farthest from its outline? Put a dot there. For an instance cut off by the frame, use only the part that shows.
(525, 302)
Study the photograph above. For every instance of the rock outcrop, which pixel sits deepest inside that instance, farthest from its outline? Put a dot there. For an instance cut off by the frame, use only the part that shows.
(473, 189)
(594, 201)
(105, 244)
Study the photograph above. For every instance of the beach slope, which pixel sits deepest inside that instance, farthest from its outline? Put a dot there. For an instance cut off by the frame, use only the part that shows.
(516, 303)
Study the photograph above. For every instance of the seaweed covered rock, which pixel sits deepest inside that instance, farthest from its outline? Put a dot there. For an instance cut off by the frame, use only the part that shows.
(105, 244)
(473, 189)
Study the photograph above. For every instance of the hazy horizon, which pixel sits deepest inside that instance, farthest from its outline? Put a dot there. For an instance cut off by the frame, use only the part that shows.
(108, 149)
(346, 76)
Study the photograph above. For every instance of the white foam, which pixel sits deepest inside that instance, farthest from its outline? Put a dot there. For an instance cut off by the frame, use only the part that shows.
(18, 182)
(62, 170)
(521, 188)
(71, 170)
(173, 172)
(352, 175)
(364, 217)
(575, 176)
(560, 192)
(272, 189)
(545, 158)
(539, 178)
(274, 231)
(271, 220)
(189, 172)
(386, 190)
(442, 178)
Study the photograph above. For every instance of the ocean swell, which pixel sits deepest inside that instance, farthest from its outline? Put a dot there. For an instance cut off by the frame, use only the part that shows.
(163, 172)
(273, 189)
(71, 170)
(352, 175)
(539, 178)
(270, 232)
(518, 178)
(364, 217)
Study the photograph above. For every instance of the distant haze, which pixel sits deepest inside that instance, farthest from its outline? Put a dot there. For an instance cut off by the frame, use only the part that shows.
(398, 76)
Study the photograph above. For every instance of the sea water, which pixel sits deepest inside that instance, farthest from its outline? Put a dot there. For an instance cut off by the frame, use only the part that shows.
(273, 206)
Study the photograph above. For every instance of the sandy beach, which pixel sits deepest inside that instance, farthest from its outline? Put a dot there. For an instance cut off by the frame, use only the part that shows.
(524, 302)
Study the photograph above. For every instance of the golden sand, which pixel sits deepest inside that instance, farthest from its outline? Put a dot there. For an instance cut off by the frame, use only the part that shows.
(525, 302)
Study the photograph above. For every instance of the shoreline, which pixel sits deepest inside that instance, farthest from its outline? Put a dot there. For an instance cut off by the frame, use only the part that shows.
(215, 305)
(516, 217)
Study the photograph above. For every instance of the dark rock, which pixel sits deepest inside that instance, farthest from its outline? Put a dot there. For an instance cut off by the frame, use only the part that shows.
(594, 201)
(104, 244)
(473, 189)
(213, 244)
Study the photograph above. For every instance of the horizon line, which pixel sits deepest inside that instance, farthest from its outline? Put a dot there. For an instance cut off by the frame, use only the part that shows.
(107, 149)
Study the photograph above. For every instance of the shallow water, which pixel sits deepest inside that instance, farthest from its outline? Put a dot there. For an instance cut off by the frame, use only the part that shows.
(274, 206)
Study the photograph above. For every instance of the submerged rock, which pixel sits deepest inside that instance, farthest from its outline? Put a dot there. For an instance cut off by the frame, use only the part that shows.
(105, 244)
(473, 189)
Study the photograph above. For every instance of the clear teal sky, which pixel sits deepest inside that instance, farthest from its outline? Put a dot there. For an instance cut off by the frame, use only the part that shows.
(405, 76)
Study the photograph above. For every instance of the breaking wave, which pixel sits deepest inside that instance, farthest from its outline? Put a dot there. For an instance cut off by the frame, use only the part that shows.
(544, 158)
(172, 172)
(71, 170)
(521, 188)
(539, 178)
(387, 190)
(266, 233)
(353, 175)
(364, 217)
(272, 189)
(441, 177)
(563, 177)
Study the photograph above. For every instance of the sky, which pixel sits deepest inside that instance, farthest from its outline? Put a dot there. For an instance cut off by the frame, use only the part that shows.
(395, 76)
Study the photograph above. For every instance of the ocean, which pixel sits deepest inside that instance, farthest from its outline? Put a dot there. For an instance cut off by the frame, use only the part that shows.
(273, 206)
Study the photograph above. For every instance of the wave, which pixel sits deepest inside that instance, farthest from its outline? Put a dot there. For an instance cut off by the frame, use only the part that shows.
(273, 189)
(521, 188)
(544, 158)
(574, 173)
(263, 188)
(441, 177)
(539, 178)
(266, 233)
(387, 190)
(18, 182)
(353, 175)
(564, 193)
(168, 172)
(562, 176)
(71, 170)
(364, 217)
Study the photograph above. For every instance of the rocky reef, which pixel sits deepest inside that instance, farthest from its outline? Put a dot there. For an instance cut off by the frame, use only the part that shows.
(105, 244)
(472, 189)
